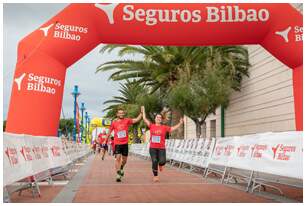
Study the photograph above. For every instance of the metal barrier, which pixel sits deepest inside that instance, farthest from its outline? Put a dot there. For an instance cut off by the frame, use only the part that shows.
(46, 157)
(198, 153)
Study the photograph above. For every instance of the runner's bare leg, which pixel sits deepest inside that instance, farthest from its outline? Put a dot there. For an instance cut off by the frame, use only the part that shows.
(118, 162)
(103, 153)
(124, 160)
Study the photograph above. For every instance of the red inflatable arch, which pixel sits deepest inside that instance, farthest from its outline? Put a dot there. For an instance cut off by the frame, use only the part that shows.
(45, 54)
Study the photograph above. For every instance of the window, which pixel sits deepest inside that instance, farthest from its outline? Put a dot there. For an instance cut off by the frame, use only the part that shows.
(213, 128)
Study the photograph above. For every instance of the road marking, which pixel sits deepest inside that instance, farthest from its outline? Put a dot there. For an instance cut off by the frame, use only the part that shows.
(79, 164)
(57, 182)
(150, 184)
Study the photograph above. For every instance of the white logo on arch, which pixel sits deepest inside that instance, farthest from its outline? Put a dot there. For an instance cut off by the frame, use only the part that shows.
(108, 10)
(284, 34)
(46, 29)
(19, 80)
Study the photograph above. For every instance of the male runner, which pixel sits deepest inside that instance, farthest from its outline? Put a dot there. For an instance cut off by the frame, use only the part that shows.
(120, 126)
(103, 143)
(94, 146)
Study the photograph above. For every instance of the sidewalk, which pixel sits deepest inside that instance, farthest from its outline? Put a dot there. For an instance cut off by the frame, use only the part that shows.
(99, 185)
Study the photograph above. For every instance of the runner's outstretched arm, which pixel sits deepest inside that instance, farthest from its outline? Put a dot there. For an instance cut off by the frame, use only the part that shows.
(178, 125)
(144, 116)
(135, 120)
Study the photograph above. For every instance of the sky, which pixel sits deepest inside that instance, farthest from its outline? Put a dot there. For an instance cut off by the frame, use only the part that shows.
(21, 19)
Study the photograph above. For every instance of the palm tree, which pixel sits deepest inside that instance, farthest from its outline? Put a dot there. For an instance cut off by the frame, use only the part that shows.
(163, 67)
(159, 68)
(129, 92)
(132, 96)
(232, 60)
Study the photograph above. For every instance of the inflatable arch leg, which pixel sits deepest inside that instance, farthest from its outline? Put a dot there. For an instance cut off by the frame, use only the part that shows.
(298, 97)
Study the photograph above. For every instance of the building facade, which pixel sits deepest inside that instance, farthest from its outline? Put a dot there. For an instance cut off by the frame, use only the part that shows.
(264, 104)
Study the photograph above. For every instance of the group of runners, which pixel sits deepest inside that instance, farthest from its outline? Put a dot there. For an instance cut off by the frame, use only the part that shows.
(120, 126)
(102, 145)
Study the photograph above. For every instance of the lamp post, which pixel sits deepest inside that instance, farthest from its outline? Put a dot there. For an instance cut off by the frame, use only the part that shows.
(59, 132)
(75, 93)
(86, 124)
(82, 111)
(88, 128)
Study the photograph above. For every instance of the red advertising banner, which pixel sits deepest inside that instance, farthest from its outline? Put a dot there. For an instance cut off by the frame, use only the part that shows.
(46, 53)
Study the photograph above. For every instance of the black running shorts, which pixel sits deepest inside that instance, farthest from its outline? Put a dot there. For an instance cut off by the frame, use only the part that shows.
(104, 146)
(122, 149)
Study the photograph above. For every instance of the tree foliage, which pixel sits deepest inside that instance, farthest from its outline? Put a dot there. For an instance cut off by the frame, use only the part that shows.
(66, 126)
(193, 80)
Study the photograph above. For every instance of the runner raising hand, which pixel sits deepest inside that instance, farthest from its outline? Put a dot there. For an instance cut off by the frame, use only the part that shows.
(120, 126)
(157, 141)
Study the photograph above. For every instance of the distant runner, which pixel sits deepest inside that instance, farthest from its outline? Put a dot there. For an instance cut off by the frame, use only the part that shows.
(158, 133)
(94, 146)
(113, 145)
(103, 143)
(120, 126)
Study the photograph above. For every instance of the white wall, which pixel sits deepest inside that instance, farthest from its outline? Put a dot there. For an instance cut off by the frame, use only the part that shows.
(265, 102)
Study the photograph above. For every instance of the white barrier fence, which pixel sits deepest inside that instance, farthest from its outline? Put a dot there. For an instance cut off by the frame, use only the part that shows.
(273, 153)
(25, 155)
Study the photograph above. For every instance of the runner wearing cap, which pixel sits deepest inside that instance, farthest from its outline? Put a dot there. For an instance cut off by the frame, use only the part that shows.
(158, 133)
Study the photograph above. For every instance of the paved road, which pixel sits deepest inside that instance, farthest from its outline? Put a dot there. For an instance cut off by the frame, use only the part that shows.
(93, 180)
(98, 185)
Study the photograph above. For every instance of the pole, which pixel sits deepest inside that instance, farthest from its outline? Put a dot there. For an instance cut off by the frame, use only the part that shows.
(75, 94)
(86, 124)
(74, 118)
(222, 121)
(88, 129)
(82, 123)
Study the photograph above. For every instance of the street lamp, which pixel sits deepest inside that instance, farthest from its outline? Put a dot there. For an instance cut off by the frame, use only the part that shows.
(82, 110)
(75, 93)
(59, 132)
(88, 127)
(86, 120)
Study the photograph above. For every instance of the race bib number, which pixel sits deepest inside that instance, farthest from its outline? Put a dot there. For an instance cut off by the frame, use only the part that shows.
(155, 139)
(121, 134)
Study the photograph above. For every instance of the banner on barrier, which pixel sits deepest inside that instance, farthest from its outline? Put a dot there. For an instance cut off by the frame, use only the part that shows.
(17, 159)
(274, 153)
(199, 152)
(25, 155)
(208, 150)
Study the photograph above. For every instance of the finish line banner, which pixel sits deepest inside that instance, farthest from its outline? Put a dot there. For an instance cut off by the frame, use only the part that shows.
(273, 153)
(25, 155)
